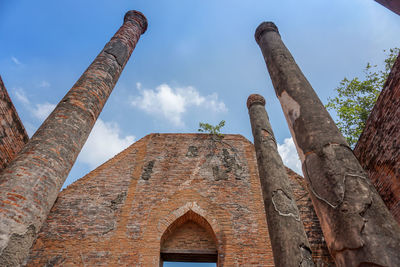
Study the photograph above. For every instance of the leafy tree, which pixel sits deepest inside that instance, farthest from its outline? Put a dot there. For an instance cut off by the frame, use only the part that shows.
(356, 98)
(214, 130)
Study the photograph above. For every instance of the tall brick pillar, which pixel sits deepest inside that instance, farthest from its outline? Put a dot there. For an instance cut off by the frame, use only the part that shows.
(358, 228)
(30, 184)
(288, 238)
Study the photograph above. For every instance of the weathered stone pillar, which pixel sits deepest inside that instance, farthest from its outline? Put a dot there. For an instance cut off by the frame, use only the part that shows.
(288, 238)
(358, 228)
(30, 184)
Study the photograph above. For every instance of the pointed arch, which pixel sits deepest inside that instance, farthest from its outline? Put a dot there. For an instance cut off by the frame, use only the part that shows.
(174, 206)
(189, 238)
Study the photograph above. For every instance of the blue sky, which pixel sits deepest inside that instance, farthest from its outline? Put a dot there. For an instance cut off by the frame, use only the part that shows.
(197, 62)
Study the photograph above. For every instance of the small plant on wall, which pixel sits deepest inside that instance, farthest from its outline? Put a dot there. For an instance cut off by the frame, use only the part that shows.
(213, 130)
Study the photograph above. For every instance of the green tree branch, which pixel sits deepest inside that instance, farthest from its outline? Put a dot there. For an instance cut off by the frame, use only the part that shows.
(356, 98)
(213, 130)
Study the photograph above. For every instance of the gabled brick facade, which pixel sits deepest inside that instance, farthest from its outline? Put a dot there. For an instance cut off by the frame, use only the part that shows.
(144, 200)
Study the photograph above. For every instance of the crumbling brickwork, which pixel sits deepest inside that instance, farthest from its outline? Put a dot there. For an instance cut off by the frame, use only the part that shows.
(122, 212)
(12, 132)
(378, 148)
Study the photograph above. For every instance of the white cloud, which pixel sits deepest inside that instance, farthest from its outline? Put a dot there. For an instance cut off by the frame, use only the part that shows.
(16, 61)
(171, 103)
(289, 155)
(44, 84)
(39, 111)
(104, 142)
(21, 96)
(42, 111)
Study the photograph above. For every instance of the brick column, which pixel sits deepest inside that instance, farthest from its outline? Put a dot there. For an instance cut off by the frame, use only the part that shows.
(30, 184)
(358, 228)
(288, 238)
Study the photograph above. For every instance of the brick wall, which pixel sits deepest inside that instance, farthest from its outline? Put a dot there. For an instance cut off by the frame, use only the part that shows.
(158, 193)
(378, 148)
(12, 132)
(189, 237)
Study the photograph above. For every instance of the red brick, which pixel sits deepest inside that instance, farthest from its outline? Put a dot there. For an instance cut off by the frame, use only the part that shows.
(13, 135)
(378, 148)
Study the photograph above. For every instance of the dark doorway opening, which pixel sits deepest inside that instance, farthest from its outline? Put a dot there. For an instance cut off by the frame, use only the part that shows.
(189, 257)
(189, 264)
(189, 241)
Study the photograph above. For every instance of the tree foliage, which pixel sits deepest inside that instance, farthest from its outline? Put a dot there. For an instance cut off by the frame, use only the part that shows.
(214, 130)
(356, 98)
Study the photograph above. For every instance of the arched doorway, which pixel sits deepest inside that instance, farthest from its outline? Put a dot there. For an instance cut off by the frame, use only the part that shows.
(190, 238)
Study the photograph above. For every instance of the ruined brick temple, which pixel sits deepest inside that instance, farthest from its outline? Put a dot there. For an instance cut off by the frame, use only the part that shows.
(200, 197)
(185, 196)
